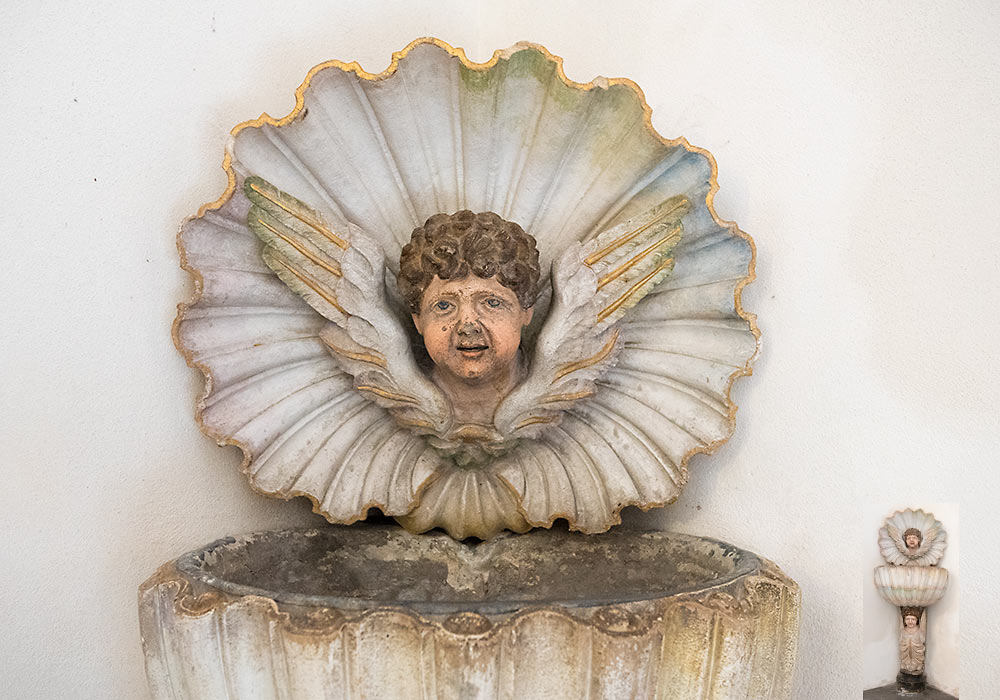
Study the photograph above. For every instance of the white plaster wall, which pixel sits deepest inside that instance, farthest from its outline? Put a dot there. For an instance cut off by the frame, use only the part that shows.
(882, 621)
(856, 142)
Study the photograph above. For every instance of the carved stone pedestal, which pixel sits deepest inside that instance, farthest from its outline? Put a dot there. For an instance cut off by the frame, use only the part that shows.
(910, 683)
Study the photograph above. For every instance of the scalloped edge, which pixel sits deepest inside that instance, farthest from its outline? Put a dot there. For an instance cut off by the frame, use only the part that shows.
(900, 558)
(459, 53)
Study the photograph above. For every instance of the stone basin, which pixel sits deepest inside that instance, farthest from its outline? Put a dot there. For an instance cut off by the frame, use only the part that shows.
(911, 585)
(374, 612)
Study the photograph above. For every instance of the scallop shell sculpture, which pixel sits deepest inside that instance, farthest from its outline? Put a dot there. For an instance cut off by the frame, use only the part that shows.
(434, 133)
(933, 541)
(911, 585)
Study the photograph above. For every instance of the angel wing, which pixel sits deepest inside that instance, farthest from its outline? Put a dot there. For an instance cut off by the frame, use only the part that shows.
(341, 274)
(927, 538)
(593, 286)
(896, 536)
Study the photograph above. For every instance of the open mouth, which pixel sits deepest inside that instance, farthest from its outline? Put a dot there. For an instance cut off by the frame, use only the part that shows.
(472, 350)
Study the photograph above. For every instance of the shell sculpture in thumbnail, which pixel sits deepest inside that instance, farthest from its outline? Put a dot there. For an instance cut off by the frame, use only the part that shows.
(911, 585)
(313, 361)
(912, 542)
(926, 539)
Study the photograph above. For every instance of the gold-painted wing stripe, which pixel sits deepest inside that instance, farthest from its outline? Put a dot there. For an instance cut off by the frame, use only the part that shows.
(471, 433)
(534, 420)
(611, 308)
(302, 249)
(315, 286)
(559, 398)
(679, 202)
(334, 238)
(673, 234)
(372, 358)
(402, 398)
(592, 360)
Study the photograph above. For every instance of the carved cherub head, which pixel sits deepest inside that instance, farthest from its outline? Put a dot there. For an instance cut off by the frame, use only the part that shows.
(912, 538)
(470, 281)
(911, 616)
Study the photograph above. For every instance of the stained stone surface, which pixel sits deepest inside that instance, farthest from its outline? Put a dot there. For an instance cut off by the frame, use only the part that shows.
(339, 567)
(375, 612)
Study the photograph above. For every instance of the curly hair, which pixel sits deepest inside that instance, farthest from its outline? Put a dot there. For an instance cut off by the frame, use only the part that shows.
(910, 610)
(453, 245)
(913, 531)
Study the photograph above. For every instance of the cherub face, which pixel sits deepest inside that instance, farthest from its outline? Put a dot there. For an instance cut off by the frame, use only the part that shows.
(910, 621)
(471, 327)
(912, 541)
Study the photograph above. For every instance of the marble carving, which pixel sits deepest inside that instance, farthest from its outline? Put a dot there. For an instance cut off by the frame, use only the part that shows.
(474, 297)
(912, 640)
(912, 542)
(912, 538)
(371, 613)
(467, 388)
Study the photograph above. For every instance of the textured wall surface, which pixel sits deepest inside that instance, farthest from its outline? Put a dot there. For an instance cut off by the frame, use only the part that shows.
(856, 143)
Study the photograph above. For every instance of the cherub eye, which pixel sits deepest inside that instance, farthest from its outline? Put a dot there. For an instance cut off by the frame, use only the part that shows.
(493, 303)
(442, 305)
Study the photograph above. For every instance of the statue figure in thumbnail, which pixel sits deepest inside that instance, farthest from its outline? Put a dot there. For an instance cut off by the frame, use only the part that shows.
(912, 640)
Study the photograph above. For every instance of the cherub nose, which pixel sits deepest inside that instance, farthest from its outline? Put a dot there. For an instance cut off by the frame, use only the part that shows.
(469, 327)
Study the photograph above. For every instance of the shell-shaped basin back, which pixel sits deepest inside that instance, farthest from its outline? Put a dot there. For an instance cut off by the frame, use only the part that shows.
(438, 133)
(932, 539)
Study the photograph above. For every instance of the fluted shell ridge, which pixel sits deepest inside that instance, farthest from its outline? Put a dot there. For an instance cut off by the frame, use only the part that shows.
(911, 585)
(438, 133)
(496, 620)
(934, 539)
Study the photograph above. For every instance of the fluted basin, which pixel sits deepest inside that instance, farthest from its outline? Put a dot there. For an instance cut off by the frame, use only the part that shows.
(374, 612)
(911, 585)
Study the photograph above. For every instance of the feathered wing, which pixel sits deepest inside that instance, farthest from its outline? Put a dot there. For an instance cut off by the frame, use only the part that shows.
(891, 545)
(341, 274)
(593, 286)
(896, 535)
(588, 459)
(927, 538)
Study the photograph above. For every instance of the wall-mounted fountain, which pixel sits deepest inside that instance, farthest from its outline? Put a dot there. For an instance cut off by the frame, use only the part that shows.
(479, 299)
(912, 543)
